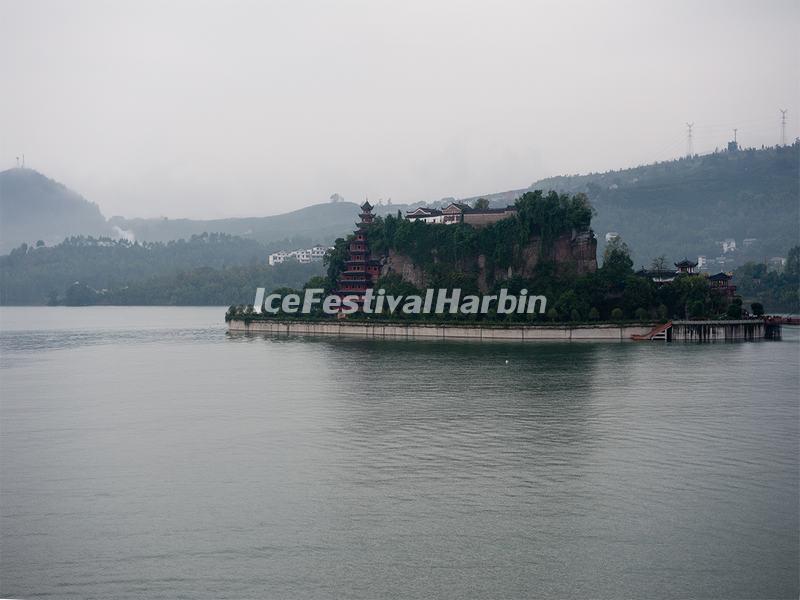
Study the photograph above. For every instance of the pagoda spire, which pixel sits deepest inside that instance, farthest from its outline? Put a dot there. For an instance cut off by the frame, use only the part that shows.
(361, 270)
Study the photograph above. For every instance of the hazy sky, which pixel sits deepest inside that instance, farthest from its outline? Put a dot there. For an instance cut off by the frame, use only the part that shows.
(210, 109)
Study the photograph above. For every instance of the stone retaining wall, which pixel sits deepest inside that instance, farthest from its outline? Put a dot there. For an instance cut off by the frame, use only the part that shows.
(605, 332)
(718, 331)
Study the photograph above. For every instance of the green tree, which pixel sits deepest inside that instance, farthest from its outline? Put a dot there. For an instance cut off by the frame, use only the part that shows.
(662, 311)
(793, 262)
(335, 258)
(319, 282)
(617, 263)
(697, 309)
(481, 204)
(659, 264)
(568, 303)
(80, 294)
(735, 309)
(638, 292)
(617, 314)
(594, 314)
(690, 289)
(757, 309)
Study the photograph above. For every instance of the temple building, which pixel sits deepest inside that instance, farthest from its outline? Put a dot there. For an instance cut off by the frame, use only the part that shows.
(657, 276)
(361, 271)
(426, 215)
(457, 212)
(454, 212)
(686, 267)
(721, 283)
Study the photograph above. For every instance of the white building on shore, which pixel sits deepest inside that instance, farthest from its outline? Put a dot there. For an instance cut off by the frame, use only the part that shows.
(303, 256)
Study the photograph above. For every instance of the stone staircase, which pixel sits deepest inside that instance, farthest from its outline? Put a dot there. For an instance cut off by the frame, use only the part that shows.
(659, 332)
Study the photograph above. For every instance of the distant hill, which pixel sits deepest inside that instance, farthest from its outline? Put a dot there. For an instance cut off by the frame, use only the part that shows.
(318, 223)
(33, 207)
(191, 271)
(678, 208)
(685, 207)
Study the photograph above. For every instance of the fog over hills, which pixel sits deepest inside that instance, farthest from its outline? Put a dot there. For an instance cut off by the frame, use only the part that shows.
(33, 207)
(317, 223)
(678, 208)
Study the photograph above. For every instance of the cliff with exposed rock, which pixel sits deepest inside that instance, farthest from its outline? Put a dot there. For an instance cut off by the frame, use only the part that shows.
(574, 252)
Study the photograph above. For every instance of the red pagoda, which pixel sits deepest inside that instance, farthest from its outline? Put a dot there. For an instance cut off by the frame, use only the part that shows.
(361, 271)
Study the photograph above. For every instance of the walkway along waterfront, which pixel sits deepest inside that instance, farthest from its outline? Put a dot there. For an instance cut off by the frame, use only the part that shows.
(678, 331)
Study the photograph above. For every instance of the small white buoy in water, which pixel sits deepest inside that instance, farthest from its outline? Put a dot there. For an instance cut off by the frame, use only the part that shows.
(506, 361)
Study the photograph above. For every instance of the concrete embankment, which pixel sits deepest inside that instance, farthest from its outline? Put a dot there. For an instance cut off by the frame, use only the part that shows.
(723, 331)
(600, 332)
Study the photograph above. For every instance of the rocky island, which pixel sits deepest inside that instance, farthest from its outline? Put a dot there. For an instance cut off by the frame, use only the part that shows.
(544, 242)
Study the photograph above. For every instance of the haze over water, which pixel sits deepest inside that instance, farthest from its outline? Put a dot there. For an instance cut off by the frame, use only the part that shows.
(144, 452)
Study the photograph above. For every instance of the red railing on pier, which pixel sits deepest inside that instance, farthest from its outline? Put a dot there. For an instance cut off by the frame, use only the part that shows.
(659, 332)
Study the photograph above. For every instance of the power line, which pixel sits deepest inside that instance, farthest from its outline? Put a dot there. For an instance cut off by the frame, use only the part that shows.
(783, 125)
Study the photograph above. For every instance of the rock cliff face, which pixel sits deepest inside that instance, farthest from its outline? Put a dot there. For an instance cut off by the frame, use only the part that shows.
(402, 265)
(574, 252)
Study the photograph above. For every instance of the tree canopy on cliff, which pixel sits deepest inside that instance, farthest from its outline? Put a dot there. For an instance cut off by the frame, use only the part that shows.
(552, 214)
(447, 248)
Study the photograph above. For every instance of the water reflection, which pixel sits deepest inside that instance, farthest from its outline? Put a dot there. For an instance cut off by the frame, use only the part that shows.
(165, 458)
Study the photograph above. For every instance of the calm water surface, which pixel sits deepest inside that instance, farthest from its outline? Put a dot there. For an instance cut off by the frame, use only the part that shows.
(145, 453)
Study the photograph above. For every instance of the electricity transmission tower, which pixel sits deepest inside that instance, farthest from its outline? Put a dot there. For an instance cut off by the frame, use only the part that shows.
(783, 125)
(689, 145)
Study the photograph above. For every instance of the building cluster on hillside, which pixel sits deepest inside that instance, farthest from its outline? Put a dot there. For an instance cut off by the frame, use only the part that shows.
(721, 281)
(303, 256)
(732, 255)
(457, 212)
(705, 263)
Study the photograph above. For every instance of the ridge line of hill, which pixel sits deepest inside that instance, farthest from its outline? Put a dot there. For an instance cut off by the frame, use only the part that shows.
(682, 207)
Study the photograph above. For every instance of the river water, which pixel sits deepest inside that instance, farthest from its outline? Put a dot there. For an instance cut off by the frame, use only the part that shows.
(146, 453)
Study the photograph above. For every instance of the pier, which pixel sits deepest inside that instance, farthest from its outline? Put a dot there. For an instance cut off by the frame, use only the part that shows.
(520, 333)
(671, 331)
(714, 331)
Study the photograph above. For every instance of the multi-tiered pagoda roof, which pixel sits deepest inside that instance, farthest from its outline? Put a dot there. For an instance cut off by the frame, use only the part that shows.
(361, 269)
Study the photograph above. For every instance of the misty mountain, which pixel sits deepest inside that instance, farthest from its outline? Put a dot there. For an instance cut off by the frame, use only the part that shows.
(678, 208)
(319, 223)
(33, 207)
